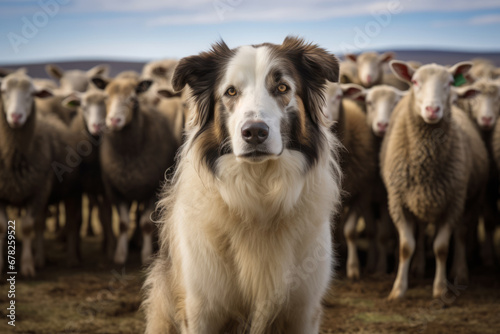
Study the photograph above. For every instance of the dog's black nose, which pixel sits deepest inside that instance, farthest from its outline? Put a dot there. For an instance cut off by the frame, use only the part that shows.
(255, 132)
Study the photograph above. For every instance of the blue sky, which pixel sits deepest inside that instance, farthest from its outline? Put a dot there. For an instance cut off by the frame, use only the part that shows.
(48, 30)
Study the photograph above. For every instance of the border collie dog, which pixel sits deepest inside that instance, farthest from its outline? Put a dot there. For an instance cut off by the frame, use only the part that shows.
(245, 228)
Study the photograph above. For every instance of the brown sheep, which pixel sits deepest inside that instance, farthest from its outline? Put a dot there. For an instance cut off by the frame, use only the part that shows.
(357, 160)
(88, 126)
(434, 166)
(484, 110)
(379, 103)
(136, 152)
(26, 154)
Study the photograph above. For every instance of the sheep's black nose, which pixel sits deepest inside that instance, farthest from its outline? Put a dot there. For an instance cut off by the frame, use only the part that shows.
(255, 132)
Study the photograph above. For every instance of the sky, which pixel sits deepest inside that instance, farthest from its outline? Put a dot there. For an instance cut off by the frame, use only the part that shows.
(56, 30)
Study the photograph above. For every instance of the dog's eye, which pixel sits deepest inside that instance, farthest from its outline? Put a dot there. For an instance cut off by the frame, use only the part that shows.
(282, 88)
(231, 91)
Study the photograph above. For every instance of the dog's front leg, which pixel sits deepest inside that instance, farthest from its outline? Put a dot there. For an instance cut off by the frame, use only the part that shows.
(202, 318)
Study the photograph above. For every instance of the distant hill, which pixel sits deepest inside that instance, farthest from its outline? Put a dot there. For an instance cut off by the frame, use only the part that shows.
(425, 56)
(445, 57)
(37, 70)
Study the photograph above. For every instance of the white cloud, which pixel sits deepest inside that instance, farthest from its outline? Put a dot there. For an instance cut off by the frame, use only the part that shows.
(190, 12)
(479, 20)
(485, 19)
(297, 10)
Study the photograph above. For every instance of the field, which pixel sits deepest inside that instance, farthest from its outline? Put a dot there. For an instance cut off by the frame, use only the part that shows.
(99, 297)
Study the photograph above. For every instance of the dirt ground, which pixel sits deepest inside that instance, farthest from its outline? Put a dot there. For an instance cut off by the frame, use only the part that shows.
(98, 297)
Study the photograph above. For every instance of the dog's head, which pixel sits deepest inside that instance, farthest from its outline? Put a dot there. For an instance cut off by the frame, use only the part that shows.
(257, 101)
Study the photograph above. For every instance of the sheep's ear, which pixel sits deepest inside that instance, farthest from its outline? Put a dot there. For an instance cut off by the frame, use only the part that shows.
(143, 86)
(200, 73)
(99, 83)
(54, 71)
(467, 92)
(167, 93)
(99, 70)
(402, 70)
(460, 68)
(72, 101)
(354, 92)
(386, 57)
(43, 93)
(351, 57)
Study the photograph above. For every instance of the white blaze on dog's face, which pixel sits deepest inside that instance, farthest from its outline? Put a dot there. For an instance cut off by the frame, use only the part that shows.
(431, 87)
(121, 99)
(256, 101)
(18, 93)
(380, 102)
(256, 92)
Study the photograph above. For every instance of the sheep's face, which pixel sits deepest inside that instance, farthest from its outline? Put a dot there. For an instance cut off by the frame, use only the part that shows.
(333, 98)
(93, 108)
(380, 102)
(122, 101)
(432, 91)
(485, 106)
(370, 66)
(18, 94)
(431, 87)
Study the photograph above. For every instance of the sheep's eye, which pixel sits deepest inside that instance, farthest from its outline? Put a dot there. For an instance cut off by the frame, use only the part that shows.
(282, 88)
(231, 91)
(414, 82)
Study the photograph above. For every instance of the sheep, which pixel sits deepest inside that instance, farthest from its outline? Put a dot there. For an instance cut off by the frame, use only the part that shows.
(88, 126)
(495, 143)
(26, 152)
(135, 155)
(484, 110)
(128, 75)
(379, 102)
(433, 164)
(357, 162)
(160, 73)
(482, 68)
(369, 70)
(75, 80)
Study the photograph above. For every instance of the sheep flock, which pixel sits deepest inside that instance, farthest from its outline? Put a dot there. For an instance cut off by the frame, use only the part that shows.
(421, 162)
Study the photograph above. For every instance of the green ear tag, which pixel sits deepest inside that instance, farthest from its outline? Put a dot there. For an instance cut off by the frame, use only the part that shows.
(459, 80)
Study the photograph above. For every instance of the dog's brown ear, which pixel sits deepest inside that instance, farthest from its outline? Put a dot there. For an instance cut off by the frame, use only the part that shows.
(315, 65)
(201, 73)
